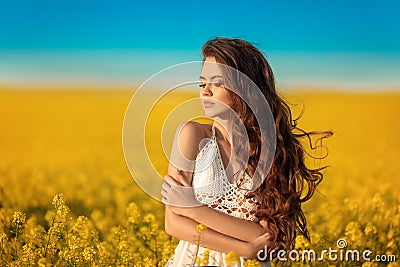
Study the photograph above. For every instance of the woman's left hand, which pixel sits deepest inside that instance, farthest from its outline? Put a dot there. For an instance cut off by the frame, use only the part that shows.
(178, 194)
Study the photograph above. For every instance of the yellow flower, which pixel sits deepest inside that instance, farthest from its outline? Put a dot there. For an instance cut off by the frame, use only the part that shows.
(353, 231)
(203, 261)
(148, 262)
(89, 253)
(252, 263)
(201, 228)
(391, 244)
(58, 200)
(44, 262)
(370, 229)
(149, 218)
(369, 264)
(232, 259)
(3, 237)
(133, 213)
(301, 242)
(19, 217)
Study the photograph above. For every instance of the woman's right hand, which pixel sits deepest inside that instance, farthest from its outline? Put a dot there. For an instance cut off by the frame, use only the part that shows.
(261, 242)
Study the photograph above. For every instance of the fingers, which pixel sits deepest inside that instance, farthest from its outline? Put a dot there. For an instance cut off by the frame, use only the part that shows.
(164, 192)
(169, 179)
(164, 199)
(182, 178)
(165, 187)
(175, 192)
(268, 236)
(264, 224)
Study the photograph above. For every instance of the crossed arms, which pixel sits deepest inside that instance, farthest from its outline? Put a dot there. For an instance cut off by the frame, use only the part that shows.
(225, 233)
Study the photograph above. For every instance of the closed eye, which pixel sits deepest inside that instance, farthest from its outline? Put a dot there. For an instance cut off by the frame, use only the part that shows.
(217, 84)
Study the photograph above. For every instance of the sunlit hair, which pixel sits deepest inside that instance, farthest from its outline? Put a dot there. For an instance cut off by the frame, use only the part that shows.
(289, 182)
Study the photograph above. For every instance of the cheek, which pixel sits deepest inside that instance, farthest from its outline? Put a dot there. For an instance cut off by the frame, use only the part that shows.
(218, 109)
(224, 101)
(225, 98)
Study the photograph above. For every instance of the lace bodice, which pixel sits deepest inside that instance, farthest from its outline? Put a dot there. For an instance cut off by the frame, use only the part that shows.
(212, 187)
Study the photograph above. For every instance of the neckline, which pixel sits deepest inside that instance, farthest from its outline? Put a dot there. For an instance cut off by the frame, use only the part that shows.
(213, 140)
(213, 137)
(213, 132)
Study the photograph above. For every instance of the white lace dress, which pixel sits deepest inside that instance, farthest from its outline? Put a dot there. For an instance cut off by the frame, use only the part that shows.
(211, 186)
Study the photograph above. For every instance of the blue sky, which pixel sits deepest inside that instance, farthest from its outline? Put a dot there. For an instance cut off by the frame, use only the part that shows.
(160, 33)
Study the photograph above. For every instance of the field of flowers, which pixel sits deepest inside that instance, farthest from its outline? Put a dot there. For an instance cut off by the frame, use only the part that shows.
(68, 199)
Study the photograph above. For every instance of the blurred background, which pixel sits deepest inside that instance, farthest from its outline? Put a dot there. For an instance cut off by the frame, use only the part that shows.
(342, 44)
(69, 69)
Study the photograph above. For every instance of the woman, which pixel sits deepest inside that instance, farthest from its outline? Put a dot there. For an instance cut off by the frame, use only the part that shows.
(244, 214)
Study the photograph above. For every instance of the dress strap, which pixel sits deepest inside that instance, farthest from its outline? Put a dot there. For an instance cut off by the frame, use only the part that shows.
(213, 131)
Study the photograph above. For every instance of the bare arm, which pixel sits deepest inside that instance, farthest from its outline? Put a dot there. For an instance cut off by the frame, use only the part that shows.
(184, 150)
(218, 221)
(229, 225)
(184, 228)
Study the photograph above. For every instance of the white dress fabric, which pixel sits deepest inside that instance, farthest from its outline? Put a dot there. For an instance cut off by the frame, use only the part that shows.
(212, 187)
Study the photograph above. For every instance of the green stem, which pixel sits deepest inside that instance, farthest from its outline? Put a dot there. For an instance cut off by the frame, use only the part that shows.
(16, 240)
(197, 250)
(50, 233)
(116, 256)
(66, 232)
(155, 244)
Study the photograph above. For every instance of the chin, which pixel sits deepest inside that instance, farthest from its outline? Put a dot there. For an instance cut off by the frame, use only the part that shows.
(212, 113)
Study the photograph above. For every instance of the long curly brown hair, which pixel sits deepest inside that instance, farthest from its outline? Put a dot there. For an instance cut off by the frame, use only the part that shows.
(289, 182)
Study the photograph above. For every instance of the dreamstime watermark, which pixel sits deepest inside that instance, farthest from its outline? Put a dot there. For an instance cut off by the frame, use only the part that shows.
(342, 253)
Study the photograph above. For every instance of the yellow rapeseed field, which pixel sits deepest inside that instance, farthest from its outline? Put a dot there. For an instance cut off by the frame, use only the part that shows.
(67, 197)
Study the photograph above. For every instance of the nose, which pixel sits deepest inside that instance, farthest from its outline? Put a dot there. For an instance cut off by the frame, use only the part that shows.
(205, 91)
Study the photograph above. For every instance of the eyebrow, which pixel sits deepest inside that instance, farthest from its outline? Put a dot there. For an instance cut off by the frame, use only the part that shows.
(213, 77)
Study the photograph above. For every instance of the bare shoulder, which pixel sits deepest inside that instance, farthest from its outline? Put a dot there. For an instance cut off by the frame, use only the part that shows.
(191, 132)
(184, 151)
(185, 147)
(194, 129)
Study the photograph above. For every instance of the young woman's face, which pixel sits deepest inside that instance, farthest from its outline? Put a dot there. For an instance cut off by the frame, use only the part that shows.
(215, 97)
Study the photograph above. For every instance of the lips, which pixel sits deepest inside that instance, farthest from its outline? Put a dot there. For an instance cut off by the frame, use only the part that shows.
(207, 103)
